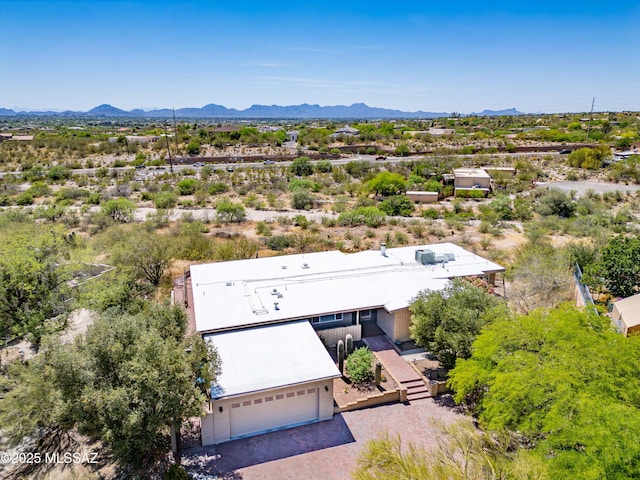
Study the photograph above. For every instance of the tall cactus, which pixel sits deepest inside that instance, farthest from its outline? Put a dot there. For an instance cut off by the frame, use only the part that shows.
(340, 351)
(378, 373)
(349, 341)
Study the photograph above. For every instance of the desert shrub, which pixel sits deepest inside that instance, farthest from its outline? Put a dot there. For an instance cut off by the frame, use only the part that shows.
(397, 205)
(302, 200)
(303, 183)
(369, 216)
(227, 211)
(470, 193)
(278, 242)
(360, 366)
(432, 213)
(165, 200)
(218, 187)
(187, 186)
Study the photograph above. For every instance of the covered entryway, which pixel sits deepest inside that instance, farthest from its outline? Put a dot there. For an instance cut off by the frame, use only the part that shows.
(273, 410)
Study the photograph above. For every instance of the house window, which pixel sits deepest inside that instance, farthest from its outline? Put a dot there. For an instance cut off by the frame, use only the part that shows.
(326, 318)
(365, 315)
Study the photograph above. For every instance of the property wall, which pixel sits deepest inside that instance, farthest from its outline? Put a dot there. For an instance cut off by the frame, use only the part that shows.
(385, 322)
(423, 197)
(332, 335)
(469, 182)
(402, 321)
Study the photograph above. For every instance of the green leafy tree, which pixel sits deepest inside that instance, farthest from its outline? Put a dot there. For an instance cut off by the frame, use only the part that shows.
(539, 276)
(387, 184)
(128, 380)
(566, 382)
(229, 212)
(447, 321)
(589, 158)
(147, 253)
(33, 278)
(618, 269)
(301, 166)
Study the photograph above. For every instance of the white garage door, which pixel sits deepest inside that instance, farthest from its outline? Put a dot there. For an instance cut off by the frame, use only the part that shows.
(271, 410)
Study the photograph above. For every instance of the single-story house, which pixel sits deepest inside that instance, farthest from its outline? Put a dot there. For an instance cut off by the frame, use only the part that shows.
(471, 179)
(266, 316)
(625, 315)
(347, 130)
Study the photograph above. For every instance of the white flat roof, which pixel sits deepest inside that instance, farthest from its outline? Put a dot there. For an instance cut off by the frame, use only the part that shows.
(471, 172)
(242, 293)
(267, 357)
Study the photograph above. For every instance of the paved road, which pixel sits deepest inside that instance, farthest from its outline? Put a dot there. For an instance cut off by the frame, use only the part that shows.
(239, 165)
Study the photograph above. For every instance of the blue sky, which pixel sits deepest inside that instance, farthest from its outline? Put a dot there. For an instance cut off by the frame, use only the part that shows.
(427, 55)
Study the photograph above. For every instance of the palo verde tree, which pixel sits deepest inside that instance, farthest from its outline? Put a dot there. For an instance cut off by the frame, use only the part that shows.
(387, 184)
(33, 278)
(618, 268)
(125, 382)
(447, 321)
(566, 382)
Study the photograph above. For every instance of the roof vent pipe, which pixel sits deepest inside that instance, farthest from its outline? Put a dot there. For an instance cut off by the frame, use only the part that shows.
(383, 249)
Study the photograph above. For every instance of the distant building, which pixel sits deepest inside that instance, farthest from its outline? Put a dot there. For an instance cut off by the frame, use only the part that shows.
(471, 179)
(437, 132)
(348, 131)
(292, 135)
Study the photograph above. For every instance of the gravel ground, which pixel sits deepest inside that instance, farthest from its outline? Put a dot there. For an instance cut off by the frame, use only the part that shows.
(581, 187)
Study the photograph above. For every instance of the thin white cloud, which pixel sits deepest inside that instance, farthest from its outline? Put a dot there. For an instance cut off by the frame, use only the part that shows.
(267, 64)
(315, 50)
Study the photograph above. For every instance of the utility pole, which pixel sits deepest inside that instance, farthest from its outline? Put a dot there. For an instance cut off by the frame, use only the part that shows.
(166, 137)
(593, 102)
(175, 129)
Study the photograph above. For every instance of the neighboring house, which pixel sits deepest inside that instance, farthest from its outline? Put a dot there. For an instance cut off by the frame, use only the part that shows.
(348, 131)
(265, 315)
(626, 315)
(292, 135)
(471, 179)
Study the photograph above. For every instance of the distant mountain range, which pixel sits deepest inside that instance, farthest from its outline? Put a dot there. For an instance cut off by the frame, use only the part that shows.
(304, 111)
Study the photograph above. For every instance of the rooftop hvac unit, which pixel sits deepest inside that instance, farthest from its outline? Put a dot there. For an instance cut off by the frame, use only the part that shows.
(425, 256)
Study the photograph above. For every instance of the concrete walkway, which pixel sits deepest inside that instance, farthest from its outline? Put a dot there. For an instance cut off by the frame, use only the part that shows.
(398, 367)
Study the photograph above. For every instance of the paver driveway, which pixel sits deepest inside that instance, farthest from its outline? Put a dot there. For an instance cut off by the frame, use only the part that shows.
(324, 451)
